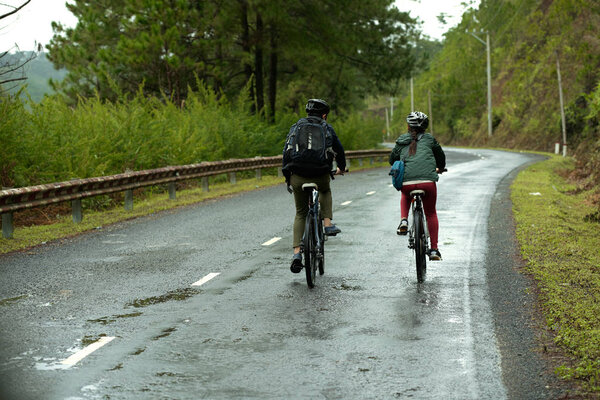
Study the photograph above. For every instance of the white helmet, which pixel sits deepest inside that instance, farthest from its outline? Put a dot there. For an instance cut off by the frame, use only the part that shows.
(417, 119)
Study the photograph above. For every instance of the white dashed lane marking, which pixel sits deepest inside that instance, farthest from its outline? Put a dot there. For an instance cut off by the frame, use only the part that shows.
(270, 242)
(81, 354)
(371, 193)
(346, 203)
(206, 279)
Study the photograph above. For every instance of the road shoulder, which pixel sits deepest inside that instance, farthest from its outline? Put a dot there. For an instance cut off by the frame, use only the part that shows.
(520, 329)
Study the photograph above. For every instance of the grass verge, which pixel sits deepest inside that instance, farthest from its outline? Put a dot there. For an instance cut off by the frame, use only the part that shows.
(560, 243)
(64, 227)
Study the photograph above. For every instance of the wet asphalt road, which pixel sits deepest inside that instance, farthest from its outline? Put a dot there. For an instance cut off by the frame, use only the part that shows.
(367, 330)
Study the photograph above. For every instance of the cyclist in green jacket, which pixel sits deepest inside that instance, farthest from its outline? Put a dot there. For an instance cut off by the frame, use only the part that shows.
(423, 160)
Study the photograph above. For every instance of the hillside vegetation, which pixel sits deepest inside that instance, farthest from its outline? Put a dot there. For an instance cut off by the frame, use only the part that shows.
(527, 37)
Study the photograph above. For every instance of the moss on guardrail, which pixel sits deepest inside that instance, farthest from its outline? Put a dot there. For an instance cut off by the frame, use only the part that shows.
(561, 247)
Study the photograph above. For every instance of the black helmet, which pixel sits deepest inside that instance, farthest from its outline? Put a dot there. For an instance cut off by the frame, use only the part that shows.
(317, 107)
(417, 119)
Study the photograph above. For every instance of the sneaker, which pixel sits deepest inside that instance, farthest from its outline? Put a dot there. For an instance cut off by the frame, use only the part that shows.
(332, 230)
(296, 266)
(435, 255)
(403, 227)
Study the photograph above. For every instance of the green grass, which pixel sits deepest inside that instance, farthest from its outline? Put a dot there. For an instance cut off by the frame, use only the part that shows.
(561, 247)
(27, 237)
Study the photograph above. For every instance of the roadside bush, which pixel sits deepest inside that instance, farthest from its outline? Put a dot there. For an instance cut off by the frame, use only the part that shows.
(52, 141)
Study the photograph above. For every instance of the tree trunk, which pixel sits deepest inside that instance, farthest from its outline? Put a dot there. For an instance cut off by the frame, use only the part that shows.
(246, 48)
(273, 74)
(258, 65)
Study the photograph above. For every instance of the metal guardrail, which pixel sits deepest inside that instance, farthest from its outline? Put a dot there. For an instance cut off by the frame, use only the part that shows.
(12, 200)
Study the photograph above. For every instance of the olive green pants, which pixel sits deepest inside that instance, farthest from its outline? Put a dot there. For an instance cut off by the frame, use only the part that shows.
(301, 200)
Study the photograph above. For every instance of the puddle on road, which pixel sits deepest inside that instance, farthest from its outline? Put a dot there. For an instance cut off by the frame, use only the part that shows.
(165, 333)
(138, 351)
(12, 300)
(51, 366)
(89, 339)
(117, 367)
(345, 286)
(177, 295)
(109, 320)
(243, 277)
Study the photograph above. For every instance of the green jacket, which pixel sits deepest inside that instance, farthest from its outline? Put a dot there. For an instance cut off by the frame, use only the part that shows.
(420, 166)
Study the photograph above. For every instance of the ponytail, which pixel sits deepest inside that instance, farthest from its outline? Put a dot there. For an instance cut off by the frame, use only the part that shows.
(414, 132)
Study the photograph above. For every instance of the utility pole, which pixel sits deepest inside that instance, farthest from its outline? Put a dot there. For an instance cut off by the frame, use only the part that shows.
(562, 107)
(412, 97)
(430, 114)
(489, 77)
(387, 124)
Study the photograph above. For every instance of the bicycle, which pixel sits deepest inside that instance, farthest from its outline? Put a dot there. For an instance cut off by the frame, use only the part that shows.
(313, 240)
(418, 238)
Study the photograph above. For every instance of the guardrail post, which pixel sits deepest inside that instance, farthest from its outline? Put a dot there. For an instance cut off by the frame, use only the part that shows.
(232, 178)
(360, 162)
(77, 215)
(172, 194)
(205, 184)
(279, 172)
(7, 225)
(259, 174)
(129, 200)
(371, 160)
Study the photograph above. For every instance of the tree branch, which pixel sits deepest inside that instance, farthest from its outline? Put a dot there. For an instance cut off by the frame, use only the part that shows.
(15, 10)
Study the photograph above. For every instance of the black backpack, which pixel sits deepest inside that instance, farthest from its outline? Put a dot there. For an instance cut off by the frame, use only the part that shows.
(309, 142)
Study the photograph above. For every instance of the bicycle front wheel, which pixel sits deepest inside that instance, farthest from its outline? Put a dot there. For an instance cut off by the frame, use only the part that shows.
(420, 245)
(322, 248)
(310, 258)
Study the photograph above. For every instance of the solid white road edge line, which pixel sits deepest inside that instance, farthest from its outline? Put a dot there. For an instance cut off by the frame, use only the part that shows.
(346, 203)
(81, 354)
(205, 279)
(270, 242)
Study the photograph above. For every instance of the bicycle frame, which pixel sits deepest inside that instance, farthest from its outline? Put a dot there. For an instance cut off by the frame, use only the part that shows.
(314, 211)
(416, 204)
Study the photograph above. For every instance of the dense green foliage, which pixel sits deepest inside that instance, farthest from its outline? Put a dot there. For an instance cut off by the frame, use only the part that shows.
(287, 51)
(526, 38)
(52, 141)
(560, 245)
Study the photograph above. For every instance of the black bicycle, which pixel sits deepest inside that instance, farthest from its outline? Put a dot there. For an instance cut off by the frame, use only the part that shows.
(418, 238)
(313, 240)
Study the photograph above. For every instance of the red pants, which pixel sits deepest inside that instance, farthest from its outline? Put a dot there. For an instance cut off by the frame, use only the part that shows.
(429, 200)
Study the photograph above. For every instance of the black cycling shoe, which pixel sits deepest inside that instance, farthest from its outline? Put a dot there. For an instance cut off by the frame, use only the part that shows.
(403, 227)
(332, 230)
(296, 266)
(435, 255)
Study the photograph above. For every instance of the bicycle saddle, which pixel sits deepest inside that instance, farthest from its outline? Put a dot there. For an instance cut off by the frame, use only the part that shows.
(310, 186)
(414, 192)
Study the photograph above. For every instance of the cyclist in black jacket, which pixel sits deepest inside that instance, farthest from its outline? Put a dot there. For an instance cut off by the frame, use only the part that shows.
(297, 174)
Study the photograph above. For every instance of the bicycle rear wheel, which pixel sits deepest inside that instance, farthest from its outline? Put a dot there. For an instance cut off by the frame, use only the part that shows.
(420, 246)
(310, 258)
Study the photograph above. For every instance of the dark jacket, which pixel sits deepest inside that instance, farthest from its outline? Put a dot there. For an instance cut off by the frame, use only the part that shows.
(420, 166)
(311, 171)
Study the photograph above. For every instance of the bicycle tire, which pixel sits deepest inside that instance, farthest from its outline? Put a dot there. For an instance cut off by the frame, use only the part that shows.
(309, 252)
(322, 249)
(420, 246)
